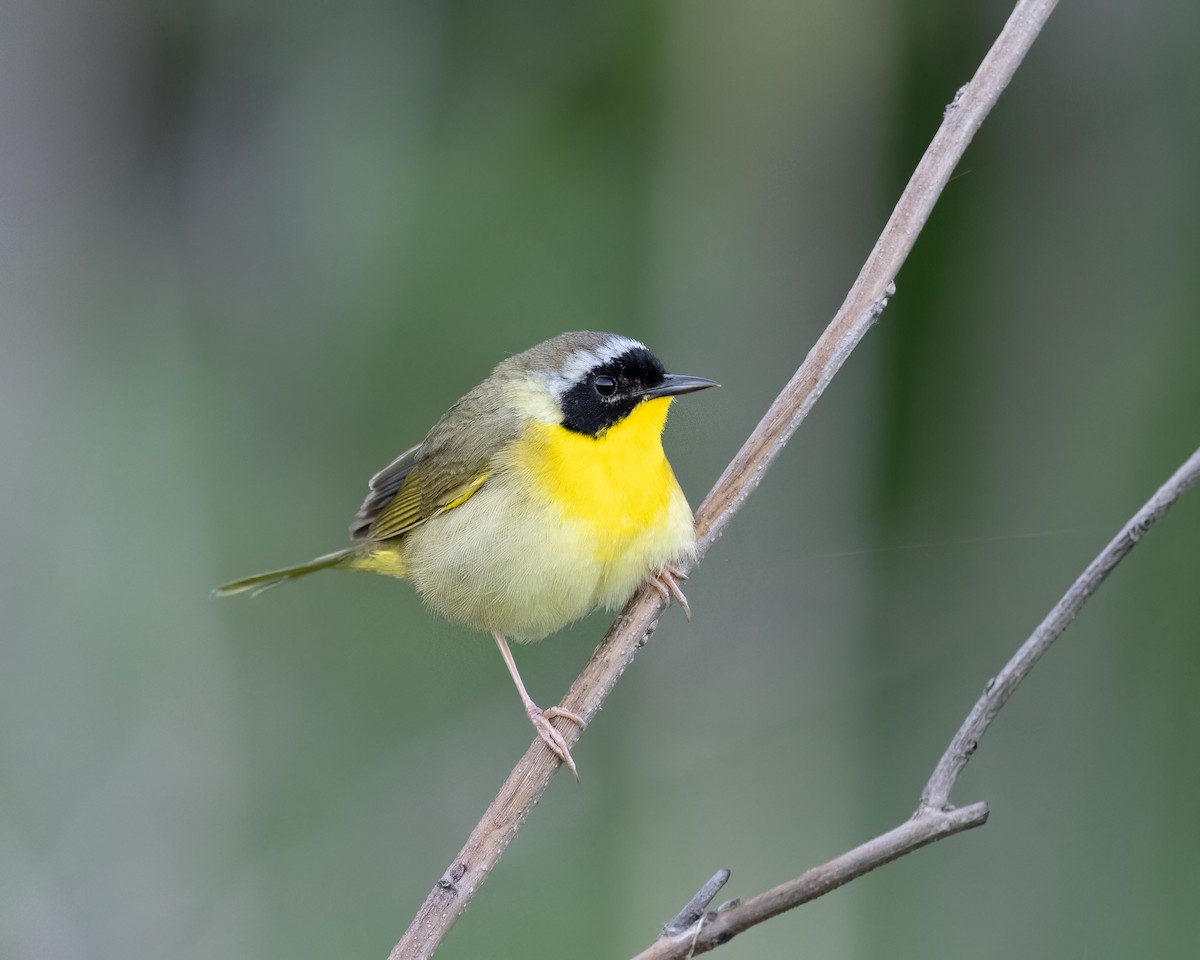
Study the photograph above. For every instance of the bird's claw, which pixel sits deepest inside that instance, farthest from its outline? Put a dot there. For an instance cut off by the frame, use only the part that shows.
(666, 583)
(550, 736)
(551, 712)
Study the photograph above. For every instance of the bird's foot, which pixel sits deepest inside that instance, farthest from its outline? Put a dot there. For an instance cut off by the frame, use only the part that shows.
(550, 736)
(666, 582)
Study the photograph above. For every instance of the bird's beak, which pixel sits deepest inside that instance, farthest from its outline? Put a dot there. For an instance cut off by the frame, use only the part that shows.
(674, 384)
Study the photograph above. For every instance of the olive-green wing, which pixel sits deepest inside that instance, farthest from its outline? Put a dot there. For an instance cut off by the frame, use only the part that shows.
(384, 487)
(409, 491)
(422, 497)
(455, 460)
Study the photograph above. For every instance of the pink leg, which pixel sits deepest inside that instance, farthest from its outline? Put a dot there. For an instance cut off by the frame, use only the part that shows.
(538, 717)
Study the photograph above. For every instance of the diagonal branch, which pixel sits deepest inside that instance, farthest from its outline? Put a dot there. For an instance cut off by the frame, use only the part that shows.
(862, 307)
(722, 925)
(935, 818)
(936, 794)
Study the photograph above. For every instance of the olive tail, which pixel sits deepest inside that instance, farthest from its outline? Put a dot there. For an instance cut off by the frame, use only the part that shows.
(264, 581)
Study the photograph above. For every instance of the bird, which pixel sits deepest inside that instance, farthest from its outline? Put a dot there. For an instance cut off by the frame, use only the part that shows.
(542, 494)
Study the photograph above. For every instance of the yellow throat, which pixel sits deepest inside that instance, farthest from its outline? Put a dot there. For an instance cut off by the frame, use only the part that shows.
(618, 484)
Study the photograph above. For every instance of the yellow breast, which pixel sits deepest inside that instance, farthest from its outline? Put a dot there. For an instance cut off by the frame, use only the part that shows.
(618, 485)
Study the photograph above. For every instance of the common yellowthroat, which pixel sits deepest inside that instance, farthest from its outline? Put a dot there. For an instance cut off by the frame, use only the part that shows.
(540, 495)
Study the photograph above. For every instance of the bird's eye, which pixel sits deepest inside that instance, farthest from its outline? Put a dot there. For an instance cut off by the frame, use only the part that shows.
(605, 386)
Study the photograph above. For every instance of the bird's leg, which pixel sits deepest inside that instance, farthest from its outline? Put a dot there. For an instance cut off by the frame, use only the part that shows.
(538, 717)
(666, 583)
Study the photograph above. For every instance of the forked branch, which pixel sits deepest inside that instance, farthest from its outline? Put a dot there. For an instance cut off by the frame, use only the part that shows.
(935, 818)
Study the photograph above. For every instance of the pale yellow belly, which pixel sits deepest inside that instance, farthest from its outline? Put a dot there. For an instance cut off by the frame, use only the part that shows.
(504, 563)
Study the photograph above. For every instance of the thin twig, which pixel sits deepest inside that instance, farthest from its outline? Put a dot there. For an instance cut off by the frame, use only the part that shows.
(868, 295)
(862, 307)
(934, 818)
(937, 791)
(724, 925)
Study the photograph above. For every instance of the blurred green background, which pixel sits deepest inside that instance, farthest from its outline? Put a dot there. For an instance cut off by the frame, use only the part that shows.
(249, 252)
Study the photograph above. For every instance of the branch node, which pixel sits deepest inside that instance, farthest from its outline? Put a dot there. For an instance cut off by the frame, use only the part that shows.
(958, 96)
(694, 909)
(450, 878)
(878, 306)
